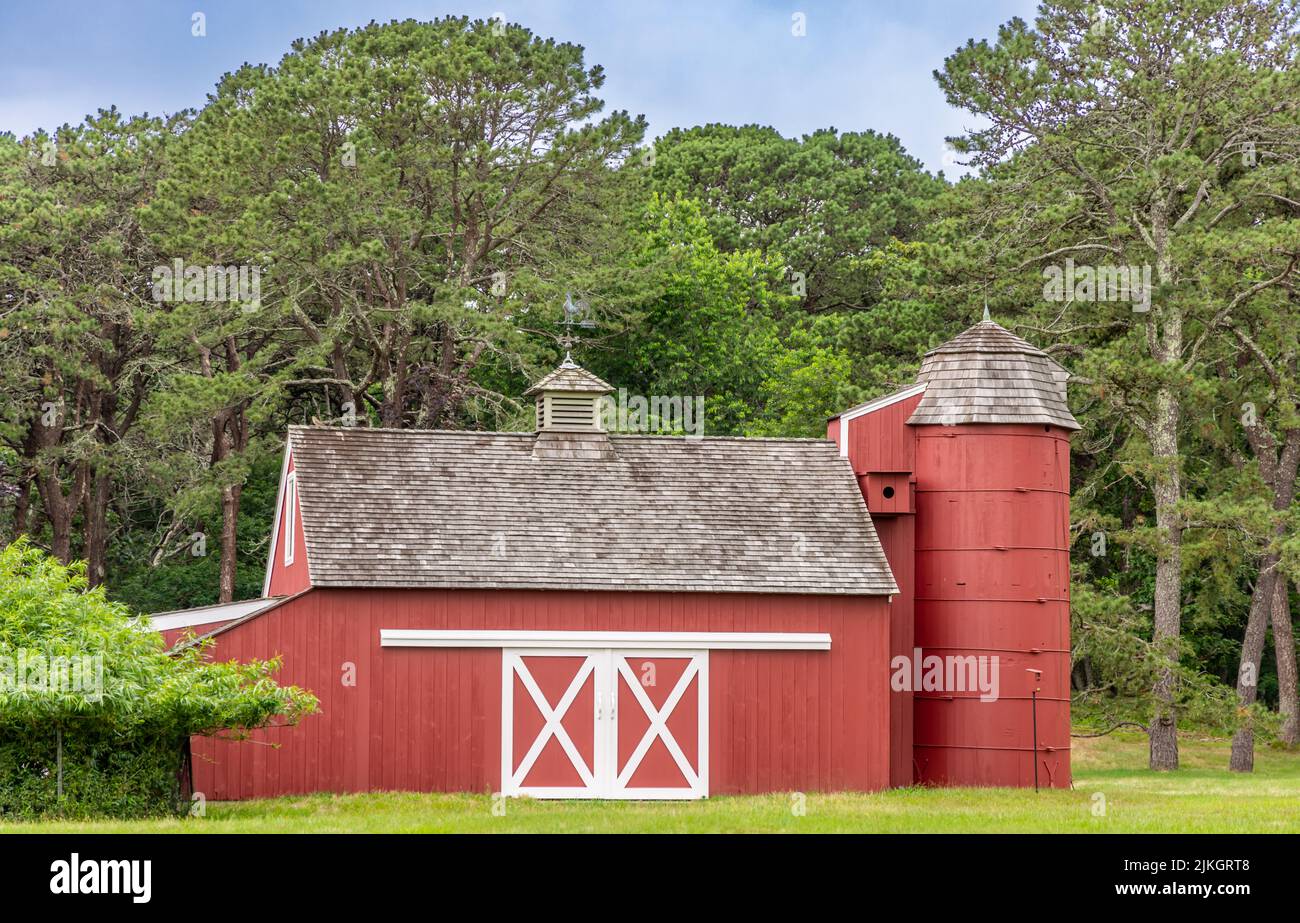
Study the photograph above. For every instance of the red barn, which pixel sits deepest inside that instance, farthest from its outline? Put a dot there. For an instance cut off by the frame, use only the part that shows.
(574, 613)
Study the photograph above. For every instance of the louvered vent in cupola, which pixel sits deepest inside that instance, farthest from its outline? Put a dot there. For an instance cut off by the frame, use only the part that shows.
(568, 399)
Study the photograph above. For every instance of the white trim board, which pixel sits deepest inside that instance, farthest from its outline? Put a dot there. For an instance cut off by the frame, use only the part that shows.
(869, 406)
(640, 640)
(207, 615)
(290, 517)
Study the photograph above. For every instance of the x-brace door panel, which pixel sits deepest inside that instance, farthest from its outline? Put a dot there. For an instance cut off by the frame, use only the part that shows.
(661, 737)
(549, 746)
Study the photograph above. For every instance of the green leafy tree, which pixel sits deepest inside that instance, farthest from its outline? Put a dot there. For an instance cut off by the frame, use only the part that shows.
(708, 327)
(807, 381)
(824, 202)
(94, 713)
(844, 213)
(420, 195)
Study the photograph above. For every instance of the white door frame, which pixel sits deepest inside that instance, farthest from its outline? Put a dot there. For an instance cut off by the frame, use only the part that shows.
(608, 669)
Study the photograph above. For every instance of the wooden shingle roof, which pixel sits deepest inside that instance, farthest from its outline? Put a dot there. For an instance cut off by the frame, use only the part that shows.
(987, 374)
(400, 508)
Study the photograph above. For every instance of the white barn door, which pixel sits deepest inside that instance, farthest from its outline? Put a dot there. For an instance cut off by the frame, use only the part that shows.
(604, 724)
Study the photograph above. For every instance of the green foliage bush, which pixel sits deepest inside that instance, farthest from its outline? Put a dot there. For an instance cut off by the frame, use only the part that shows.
(114, 733)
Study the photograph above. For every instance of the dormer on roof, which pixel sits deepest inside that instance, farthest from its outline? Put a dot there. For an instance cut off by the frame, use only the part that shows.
(568, 400)
(987, 374)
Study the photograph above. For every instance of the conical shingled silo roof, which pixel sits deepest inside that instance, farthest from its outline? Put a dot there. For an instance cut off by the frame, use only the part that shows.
(987, 374)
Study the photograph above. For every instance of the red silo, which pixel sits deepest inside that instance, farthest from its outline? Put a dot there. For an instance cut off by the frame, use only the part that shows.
(992, 563)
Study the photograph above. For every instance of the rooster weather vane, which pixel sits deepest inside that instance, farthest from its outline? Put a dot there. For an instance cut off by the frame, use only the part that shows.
(576, 313)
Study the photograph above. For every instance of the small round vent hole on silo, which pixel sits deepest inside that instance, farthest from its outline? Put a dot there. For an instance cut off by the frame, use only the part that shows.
(888, 492)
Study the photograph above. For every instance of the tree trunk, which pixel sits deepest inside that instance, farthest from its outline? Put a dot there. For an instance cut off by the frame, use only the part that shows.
(26, 474)
(393, 412)
(1288, 705)
(1252, 651)
(1288, 687)
(229, 437)
(96, 527)
(1168, 589)
(59, 507)
(22, 503)
(1279, 472)
(229, 538)
(58, 511)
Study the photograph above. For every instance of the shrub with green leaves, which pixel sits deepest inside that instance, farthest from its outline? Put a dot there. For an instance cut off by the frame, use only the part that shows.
(94, 712)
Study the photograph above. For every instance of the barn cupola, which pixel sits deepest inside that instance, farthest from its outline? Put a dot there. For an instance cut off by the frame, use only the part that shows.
(570, 421)
(569, 399)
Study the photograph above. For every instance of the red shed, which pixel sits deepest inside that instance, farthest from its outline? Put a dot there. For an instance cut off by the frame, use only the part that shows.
(568, 613)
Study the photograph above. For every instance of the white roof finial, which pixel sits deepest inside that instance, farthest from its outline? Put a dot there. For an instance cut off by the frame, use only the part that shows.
(987, 316)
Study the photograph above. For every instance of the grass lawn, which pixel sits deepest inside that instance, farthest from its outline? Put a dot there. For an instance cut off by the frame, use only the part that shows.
(1202, 797)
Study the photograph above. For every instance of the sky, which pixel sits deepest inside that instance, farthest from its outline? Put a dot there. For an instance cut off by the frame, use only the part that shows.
(859, 65)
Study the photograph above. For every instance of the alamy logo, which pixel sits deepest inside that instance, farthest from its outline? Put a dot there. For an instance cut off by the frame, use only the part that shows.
(658, 413)
(237, 284)
(76, 875)
(34, 671)
(952, 673)
(1098, 283)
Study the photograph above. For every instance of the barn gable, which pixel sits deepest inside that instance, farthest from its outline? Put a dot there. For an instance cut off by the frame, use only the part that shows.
(287, 568)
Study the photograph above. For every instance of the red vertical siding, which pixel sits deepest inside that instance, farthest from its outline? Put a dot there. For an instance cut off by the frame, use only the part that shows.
(898, 537)
(881, 441)
(428, 719)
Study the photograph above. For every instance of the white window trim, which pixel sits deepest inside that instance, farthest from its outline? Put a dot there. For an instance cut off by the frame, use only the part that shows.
(641, 640)
(290, 517)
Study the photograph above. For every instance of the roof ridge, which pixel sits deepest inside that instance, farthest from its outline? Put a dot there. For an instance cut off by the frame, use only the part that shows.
(321, 428)
(676, 436)
(303, 427)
